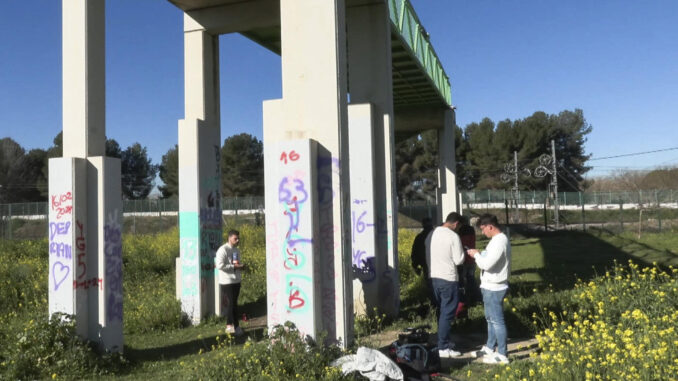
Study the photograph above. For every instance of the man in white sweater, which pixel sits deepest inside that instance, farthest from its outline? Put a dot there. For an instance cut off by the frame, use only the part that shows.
(443, 254)
(495, 265)
(230, 266)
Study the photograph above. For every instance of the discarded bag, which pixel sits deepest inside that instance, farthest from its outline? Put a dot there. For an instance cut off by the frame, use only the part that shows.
(413, 353)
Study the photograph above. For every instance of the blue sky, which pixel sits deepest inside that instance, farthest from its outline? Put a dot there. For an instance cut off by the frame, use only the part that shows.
(616, 60)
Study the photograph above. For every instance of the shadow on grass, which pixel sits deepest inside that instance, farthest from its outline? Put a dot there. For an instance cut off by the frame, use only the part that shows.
(192, 347)
(256, 313)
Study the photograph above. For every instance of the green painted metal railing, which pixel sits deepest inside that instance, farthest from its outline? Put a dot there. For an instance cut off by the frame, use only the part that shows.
(405, 21)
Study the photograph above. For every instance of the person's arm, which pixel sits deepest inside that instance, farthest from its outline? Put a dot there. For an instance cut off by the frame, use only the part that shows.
(493, 253)
(457, 250)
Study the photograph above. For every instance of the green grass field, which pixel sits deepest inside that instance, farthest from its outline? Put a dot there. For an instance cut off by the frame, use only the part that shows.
(159, 344)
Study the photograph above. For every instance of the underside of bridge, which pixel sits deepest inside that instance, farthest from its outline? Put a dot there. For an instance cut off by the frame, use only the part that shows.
(421, 89)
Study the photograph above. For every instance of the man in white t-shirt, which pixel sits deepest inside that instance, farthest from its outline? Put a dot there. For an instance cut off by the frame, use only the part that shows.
(495, 265)
(443, 254)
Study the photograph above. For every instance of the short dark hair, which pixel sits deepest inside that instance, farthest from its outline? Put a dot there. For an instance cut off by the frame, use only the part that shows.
(453, 217)
(233, 232)
(487, 219)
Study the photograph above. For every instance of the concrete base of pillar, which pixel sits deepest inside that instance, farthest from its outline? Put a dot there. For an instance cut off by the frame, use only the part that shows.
(86, 247)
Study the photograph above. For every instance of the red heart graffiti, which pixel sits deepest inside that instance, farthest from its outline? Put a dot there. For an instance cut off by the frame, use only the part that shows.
(59, 275)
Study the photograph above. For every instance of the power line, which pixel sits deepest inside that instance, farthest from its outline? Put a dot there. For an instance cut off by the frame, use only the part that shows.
(634, 154)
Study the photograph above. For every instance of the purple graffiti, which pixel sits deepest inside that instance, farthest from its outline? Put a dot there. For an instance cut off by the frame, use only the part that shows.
(61, 250)
(292, 192)
(58, 228)
(59, 274)
(210, 216)
(113, 255)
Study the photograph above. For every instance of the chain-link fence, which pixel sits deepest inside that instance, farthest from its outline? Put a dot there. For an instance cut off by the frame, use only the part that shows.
(29, 220)
(644, 210)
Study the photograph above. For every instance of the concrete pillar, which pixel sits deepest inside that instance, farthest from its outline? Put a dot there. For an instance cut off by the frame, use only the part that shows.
(84, 81)
(447, 182)
(363, 217)
(67, 239)
(370, 81)
(313, 45)
(85, 190)
(199, 173)
(104, 251)
(293, 275)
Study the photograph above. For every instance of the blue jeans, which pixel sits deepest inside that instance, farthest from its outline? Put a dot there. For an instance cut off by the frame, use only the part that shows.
(494, 314)
(447, 298)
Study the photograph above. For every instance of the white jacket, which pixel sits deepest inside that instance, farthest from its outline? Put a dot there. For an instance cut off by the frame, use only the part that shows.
(443, 253)
(228, 274)
(495, 263)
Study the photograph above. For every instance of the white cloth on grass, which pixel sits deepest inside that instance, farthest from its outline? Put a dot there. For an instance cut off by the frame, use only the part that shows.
(371, 363)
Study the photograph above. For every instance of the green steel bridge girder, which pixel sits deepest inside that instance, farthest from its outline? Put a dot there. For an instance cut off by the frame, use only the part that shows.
(415, 39)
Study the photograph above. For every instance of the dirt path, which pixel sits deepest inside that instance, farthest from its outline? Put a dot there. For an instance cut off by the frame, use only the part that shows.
(518, 348)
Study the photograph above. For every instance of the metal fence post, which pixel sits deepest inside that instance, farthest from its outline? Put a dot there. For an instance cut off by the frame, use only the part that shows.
(9, 222)
(583, 216)
(621, 214)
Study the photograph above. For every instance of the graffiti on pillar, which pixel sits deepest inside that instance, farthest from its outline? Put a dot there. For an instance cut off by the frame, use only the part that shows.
(295, 209)
(362, 236)
(58, 232)
(329, 169)
(113, 265)
(289, 236)
(62, 204)
(210, 220)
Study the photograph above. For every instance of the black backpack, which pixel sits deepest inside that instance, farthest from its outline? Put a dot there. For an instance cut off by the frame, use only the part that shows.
(414, 355)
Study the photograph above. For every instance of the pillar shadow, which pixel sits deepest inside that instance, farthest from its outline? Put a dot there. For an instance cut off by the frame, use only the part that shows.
(191, 347)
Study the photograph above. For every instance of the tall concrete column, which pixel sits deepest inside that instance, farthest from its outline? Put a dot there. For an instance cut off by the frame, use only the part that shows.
(84, 80)
(447, 181)
(84, 189)
(370, 81)
(313, 107)
(199, 173)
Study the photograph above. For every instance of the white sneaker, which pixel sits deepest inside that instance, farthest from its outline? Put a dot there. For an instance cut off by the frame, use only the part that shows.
(230, 329)
(448, 353)
(495, 358)
(482, 352)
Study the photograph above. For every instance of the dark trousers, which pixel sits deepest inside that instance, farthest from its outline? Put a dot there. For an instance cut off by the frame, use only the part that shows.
(229, 302)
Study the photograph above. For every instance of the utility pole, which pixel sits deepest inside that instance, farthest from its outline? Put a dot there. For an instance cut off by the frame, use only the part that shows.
(516, 192)
(554, 180)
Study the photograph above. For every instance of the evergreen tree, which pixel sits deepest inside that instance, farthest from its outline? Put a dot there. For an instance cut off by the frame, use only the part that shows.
(242, 166)
(138, 173)
(169, 173)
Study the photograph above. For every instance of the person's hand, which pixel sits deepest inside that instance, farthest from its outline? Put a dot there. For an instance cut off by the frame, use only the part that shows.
(239, 266)
(472, 252)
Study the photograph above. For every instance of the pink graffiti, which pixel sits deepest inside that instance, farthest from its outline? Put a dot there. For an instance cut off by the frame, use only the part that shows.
(57, 204)
(295, 301)
(87, 283)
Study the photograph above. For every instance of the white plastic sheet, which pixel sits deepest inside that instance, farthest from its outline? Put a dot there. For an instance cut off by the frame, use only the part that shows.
(371, 363)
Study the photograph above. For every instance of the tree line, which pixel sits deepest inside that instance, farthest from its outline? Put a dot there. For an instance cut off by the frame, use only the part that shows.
(24, 175)
(483, 150)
